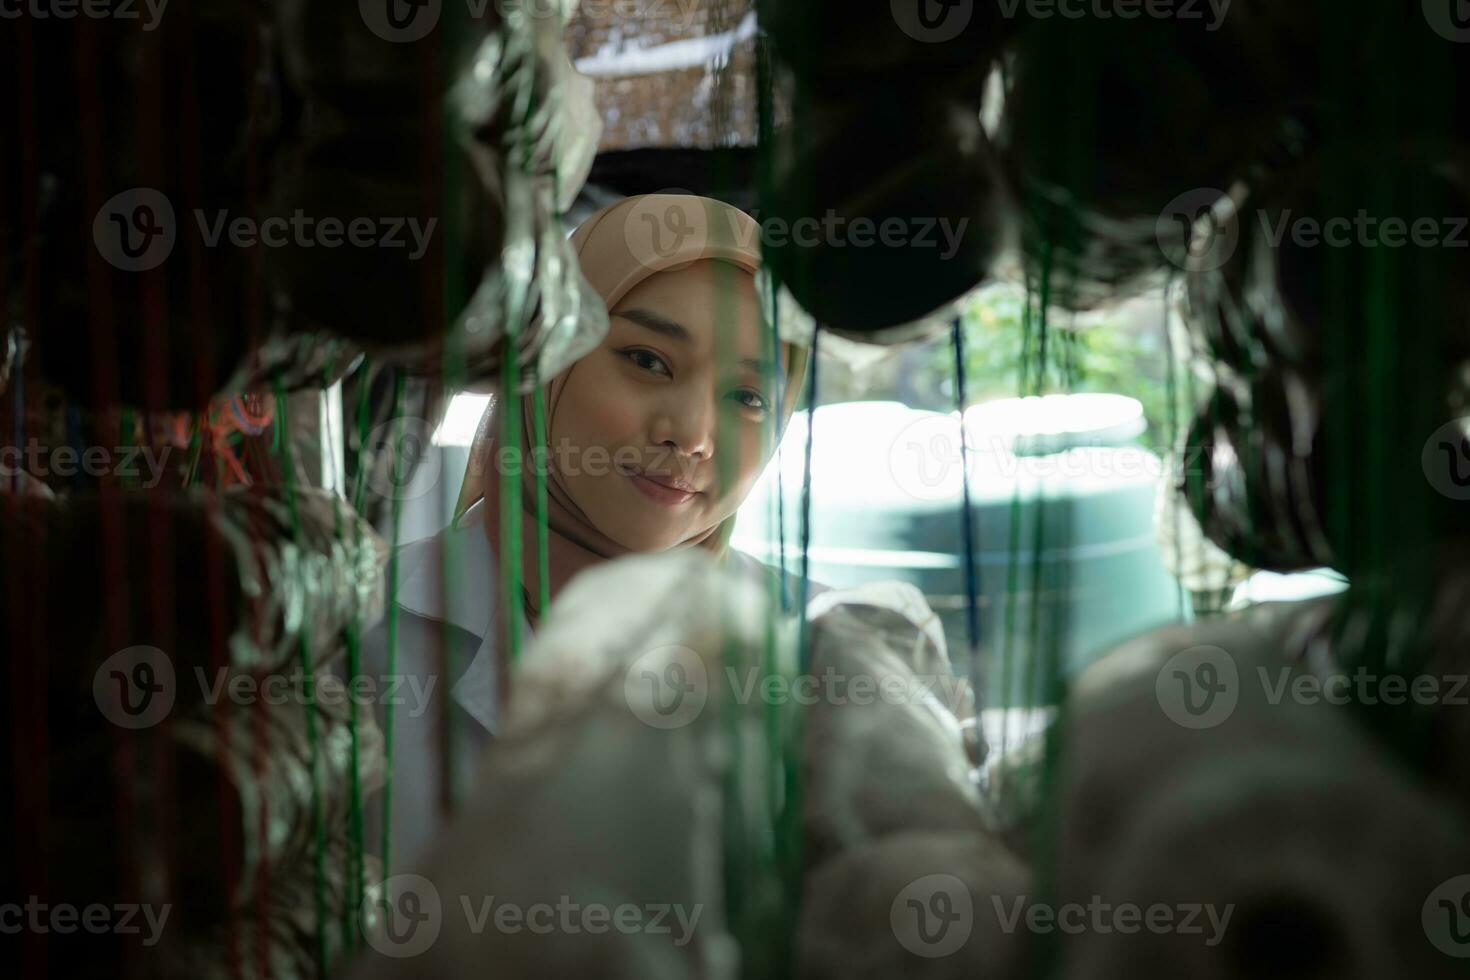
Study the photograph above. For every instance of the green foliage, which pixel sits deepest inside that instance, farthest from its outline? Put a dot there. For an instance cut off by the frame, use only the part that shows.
(1003, 359)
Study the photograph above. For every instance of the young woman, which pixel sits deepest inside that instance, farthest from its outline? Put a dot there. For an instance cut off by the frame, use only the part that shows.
(653, 441)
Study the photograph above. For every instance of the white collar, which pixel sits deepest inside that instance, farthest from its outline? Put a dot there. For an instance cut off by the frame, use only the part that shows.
(466, 600)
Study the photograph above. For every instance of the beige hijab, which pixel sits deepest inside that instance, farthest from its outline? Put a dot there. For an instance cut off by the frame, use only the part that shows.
(618, 247)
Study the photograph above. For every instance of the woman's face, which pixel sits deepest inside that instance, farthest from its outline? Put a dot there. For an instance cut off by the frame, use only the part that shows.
(676, 392)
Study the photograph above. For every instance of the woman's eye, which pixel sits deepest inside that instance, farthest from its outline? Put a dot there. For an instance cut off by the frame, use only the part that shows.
(752, 400)
(647, 360)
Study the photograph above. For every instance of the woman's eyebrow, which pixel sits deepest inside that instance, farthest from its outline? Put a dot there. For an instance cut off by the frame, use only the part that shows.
(656, 322)
(659, 323)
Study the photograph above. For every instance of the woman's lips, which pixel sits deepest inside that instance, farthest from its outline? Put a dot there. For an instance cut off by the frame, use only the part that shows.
(659, 491)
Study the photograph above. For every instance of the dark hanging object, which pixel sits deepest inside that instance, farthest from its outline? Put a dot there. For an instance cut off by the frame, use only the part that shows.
(374, 150)
(1117, 125)
(886, 206)
(148, 612)
(1254, 473)
(380, 59)
(119, 146)
(828, 42)
(1261, 294)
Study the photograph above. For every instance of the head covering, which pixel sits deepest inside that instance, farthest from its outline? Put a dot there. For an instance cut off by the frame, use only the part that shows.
(618, 247)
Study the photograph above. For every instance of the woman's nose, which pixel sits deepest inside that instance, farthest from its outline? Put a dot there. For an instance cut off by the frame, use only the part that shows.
(687, 429)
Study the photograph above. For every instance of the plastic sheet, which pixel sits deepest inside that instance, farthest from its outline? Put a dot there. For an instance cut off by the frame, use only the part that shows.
(537, 294)
(871, 911)
(1255, 473)
(884, 749)
(1174, 703)
(1273, 845)
(265, 755)
(593, 796)
(522, 96)
(1424, 640)
(279, 940)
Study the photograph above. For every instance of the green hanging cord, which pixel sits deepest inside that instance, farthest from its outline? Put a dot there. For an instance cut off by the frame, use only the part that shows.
(395, 521)
(319, 835)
